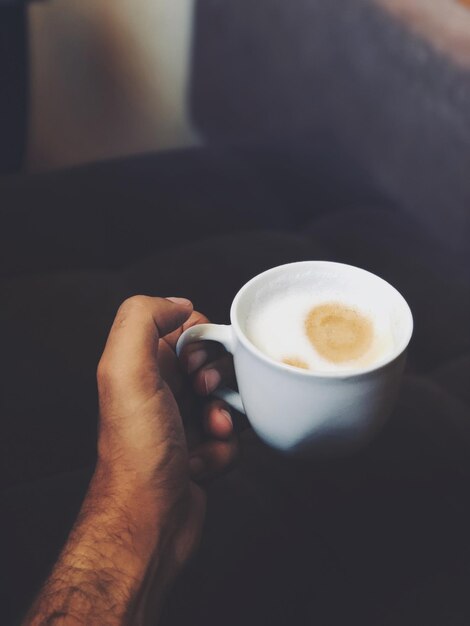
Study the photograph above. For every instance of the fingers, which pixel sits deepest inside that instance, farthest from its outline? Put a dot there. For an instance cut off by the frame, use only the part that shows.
(208, 361)
(217, 420)
(218, 450)
(194, 319)
(213, 375)
(210, 365)
(221, 422)
(200, 353)
(212, 458)
(131, 349)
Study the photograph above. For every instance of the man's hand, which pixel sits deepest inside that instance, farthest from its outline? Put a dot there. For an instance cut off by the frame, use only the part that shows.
(142, 516)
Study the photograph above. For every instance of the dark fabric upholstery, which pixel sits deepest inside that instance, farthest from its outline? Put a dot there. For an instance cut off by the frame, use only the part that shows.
(395, 100)
(81, 218)
(368, 539)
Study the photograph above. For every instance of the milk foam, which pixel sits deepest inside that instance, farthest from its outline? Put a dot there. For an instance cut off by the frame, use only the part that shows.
(276, 326)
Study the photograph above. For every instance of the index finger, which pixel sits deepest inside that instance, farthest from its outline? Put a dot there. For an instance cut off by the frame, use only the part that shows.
(131, 348)
(194, 319)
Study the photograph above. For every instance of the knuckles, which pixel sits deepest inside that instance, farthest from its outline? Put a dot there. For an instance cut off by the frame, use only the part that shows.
(130, 306)
(102, 371)
(110, 372)
(225, 455)
(104, 377)
(134, 302)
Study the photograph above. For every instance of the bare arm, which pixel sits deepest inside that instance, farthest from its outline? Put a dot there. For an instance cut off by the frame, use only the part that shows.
(142, 516)
(99, 574)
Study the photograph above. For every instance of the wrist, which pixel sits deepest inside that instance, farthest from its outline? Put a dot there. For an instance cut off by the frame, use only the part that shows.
(152, 541)
(161, 515)
(112, 549)
(129, 507)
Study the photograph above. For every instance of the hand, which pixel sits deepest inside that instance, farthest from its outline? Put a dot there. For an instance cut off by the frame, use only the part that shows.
(208, 425)
(142, 515)
(142, 446)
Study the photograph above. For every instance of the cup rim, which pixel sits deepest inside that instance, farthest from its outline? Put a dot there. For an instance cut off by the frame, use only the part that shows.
(344, 374)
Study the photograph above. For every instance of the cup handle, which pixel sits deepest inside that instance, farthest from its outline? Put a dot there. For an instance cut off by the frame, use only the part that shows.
(214, 332)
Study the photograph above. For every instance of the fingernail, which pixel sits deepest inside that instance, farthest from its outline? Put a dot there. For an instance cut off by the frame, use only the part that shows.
(227, 416)
(196, 359)
(212, 379)
(196, 466)
(183, 301)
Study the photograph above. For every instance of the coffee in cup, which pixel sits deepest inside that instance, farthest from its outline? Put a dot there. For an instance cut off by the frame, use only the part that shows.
(321, 332)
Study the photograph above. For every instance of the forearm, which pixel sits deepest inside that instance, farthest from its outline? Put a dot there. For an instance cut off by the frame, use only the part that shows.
(142, 517)
(101, 573)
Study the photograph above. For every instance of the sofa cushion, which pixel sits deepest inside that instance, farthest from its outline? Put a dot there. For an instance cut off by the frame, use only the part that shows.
(370, 75)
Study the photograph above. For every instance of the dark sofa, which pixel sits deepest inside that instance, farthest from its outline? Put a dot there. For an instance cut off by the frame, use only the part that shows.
(378, 538)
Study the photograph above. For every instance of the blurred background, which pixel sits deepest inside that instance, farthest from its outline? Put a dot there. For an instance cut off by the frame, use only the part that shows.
(108, 79)
(385, 79)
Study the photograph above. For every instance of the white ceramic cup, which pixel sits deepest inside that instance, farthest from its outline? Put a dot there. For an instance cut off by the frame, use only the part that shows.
(295, 410)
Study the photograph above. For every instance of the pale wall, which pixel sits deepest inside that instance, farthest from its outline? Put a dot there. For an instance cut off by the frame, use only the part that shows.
(108, 78)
